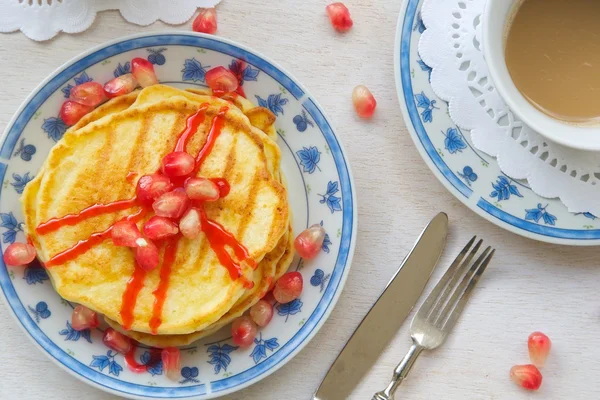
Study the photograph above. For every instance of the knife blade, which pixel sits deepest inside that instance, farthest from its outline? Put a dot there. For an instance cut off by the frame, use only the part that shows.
(387, 314)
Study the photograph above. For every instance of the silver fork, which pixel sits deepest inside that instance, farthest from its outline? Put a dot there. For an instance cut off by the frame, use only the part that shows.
(438, 314)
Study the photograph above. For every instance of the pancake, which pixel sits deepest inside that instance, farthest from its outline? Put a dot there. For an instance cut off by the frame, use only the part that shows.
(112, 106)
(89, 166)
(260, 115)
(278, 260)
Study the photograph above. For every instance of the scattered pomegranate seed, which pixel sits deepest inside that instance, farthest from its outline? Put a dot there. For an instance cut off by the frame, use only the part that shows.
(19, 254)
(288, 287)
(116, 341)
(157, 228)
(539, 348)
(178, 163)
(88, 94)
(121, 85)
(71, 112)
(126, 233)
(309, 242)
(243, 331)
(339, 16)
(84, 318)
(151, 187)
(220, 79)
(202, 189)
(364, 102)
(190, 225)
(262, 313)
(146, 255)
(172, 204)
(526, 376)
(171, 362)
(206, 21)
(143, 71)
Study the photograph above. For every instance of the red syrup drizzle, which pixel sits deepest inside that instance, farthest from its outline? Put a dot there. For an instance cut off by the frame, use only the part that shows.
(134, 366)
(130, 295)
(131, 176)
(219, 240)
(223, 186)
(160, 294)
(54, 224)
(218, 237)
(84, 245)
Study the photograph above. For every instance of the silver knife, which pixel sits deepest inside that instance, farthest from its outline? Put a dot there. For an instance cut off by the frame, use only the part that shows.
(387, 314)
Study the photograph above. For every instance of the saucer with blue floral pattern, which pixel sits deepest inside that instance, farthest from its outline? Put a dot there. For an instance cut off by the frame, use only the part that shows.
(472, 176)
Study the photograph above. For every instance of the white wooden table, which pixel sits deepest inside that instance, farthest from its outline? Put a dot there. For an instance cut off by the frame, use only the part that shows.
(529, 286)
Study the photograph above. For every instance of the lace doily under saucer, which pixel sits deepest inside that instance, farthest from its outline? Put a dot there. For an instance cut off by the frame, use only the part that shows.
(43, 19)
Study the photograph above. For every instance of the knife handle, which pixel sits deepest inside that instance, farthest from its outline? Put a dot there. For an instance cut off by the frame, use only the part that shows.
(400, 373)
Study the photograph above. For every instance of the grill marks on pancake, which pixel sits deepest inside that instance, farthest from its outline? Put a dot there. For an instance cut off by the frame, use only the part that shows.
(134, 161)
(247, 212)
(228, 173)
(139, 275)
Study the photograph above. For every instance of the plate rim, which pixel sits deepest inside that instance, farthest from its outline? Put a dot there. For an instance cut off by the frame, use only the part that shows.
(479, 206)
(347, 240)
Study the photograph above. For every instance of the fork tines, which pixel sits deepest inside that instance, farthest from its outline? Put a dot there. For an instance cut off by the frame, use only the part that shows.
(448, 298)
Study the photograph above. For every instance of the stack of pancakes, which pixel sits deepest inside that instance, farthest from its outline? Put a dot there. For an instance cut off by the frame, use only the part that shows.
(99, 161)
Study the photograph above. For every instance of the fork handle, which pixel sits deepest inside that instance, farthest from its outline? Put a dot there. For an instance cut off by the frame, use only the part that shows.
(400, 373)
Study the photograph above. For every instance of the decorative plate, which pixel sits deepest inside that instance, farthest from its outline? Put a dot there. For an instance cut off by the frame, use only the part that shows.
(320, 191)
(472, 176)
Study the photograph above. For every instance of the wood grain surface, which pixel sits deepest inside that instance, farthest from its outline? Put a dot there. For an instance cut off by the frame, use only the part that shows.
(529, 286)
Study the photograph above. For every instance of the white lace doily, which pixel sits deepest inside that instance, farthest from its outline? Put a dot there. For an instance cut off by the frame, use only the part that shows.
(451, 46)
(43, 19)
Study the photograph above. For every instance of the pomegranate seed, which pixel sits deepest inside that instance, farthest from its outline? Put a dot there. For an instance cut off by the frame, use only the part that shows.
(157, 228)
(151, 187)
(288, 287)
(143, 72)
(526, 376)
(269, 298)
(171, 362)
(206, 21)
(202, 189)
(220, 79)
(262, 313)
(127, 234)
(339, 16)
(71, 112)
(364, 102)
(19, 254)
(172, 204)
(243, 331)
(539, 348)
(88, 94)
(116, 341)
(178, 163)
(119, 86)
(146, 255)
(190, 225)
(84, 318)
(308, 243)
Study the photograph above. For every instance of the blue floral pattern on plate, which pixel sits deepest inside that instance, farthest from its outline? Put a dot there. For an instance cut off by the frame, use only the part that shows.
(71, 334)
(309, 158)
(9, 222)
(320, 189)
(472, 176)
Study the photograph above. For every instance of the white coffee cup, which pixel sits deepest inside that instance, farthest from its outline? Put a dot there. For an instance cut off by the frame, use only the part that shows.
(496, 19)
